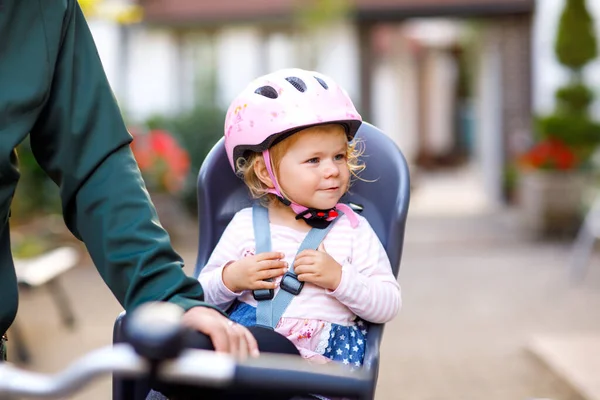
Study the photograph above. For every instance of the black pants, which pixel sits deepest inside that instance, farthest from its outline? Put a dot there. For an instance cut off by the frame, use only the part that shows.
(268, 342)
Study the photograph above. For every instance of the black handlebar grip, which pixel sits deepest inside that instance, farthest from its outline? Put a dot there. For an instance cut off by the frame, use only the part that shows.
(155, 331)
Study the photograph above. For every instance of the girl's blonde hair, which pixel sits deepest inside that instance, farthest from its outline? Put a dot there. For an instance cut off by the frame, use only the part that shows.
(247, 166)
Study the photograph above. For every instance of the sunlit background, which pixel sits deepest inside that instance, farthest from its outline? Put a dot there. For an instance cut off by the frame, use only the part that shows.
(494, 104)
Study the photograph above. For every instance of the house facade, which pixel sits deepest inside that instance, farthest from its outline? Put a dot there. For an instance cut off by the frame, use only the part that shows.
(444, 78)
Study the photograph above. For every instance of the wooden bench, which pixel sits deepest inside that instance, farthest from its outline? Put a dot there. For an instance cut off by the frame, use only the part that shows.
(44, 271)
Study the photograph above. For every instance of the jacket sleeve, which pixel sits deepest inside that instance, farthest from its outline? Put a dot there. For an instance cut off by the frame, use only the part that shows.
(81, 141)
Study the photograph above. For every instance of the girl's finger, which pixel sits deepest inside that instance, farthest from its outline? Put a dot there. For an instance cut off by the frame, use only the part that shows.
(306, 277)
(304, 269)
(272, 273)
(270, 255)
(271, 264)
(305, 259)
(261, 284)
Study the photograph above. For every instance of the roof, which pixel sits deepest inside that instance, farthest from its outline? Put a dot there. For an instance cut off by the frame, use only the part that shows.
(224, 11)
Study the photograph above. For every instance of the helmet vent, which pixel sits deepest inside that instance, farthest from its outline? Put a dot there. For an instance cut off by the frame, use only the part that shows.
(267, 91)
(297, 83)
(322, 82)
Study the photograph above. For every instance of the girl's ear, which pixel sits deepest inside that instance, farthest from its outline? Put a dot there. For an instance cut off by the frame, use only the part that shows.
(260, 169)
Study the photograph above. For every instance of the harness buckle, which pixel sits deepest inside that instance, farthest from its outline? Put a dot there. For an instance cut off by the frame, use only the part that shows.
(291, 284)
(263, 294)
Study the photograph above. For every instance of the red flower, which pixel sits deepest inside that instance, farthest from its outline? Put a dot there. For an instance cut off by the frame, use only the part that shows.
(549, 154)
(160, 158)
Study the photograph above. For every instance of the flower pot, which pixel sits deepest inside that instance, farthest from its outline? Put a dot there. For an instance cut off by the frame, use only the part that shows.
(551, 202)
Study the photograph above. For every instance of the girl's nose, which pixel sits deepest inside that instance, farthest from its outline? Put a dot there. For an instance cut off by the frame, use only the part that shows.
(331, 169)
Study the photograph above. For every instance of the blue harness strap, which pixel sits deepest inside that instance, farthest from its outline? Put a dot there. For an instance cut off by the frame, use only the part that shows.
(262, 239)
(270, 309)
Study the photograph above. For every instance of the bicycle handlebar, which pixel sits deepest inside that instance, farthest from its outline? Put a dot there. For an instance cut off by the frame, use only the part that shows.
(189, 366)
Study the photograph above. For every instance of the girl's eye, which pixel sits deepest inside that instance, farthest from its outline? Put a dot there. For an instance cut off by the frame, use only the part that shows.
(340, 157)
(313, 160)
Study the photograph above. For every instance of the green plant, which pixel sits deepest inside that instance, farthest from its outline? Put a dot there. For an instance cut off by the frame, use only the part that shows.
(574, 98)
(197, 131)
(575, 44)
(510, 179)
(36, 194)
(570, 124)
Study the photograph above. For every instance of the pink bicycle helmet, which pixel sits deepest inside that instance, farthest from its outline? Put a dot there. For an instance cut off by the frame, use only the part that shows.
(279, 104)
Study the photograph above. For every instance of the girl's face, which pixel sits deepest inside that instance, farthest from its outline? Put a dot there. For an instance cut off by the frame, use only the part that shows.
(313, 171)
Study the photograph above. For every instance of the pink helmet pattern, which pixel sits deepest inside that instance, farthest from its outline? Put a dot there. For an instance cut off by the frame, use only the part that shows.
(274, 106)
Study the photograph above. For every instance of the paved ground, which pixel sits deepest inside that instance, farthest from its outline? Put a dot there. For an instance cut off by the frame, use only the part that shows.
(475, 292)
(472, 303)
(573, 356)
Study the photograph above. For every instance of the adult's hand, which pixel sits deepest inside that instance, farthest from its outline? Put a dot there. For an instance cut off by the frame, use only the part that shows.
(226, 335)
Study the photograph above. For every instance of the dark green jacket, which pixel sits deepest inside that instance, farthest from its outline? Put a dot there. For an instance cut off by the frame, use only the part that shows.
(53, 87)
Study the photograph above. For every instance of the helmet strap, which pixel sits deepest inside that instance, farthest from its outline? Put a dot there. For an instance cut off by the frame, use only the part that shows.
(317, 218)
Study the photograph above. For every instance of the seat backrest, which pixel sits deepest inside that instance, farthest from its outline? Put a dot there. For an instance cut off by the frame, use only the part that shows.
(385, 200)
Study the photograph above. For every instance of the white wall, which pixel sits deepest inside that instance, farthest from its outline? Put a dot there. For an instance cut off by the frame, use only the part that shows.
(488, 111)
(280, 51)
(239, 60)
(405, 132)
(242, 57)
(159, 77)
(106, 36)
(394, 100)
(386, 99)
(153, 73)
(442, 73)
(149, 84)
(339, 57)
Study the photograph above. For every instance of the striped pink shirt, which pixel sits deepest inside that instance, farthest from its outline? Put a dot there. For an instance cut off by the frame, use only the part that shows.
(368, 289)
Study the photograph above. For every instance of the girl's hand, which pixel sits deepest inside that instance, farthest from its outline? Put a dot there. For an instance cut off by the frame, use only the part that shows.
(319, 268)
(250, 272)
